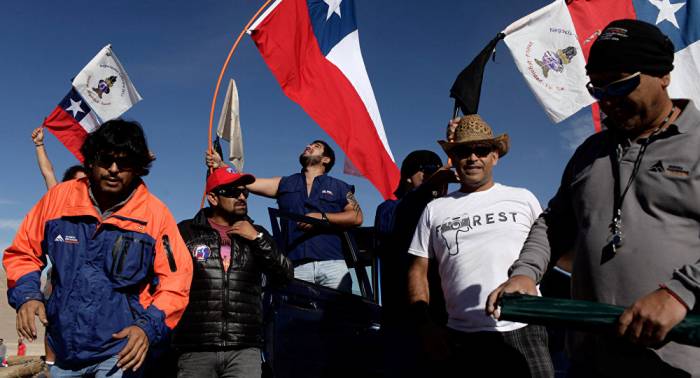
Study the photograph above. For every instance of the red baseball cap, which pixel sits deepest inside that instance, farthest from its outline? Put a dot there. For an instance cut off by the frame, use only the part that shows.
(227, 176)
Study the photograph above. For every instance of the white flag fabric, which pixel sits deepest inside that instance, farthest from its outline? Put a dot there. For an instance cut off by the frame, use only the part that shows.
(547, 52)
(105, 85)
(229, 127)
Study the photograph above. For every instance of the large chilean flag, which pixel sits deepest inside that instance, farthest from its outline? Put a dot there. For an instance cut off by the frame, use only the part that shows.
(551, 45)
(313, 49)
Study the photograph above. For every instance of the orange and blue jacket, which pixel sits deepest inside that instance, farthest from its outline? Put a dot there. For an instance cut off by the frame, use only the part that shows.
(131, 268)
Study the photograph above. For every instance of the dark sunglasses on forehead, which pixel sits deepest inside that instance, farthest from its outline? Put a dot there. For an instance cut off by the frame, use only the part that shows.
(479, 151)
(617, 88)
(124, 163)
(232, 192)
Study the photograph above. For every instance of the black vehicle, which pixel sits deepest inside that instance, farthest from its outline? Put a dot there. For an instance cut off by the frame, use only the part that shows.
(314, 331)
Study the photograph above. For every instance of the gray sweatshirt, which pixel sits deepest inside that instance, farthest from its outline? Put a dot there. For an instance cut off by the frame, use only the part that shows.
(661, 228)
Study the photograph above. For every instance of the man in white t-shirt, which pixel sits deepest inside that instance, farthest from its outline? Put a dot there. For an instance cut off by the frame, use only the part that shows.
(474, 235)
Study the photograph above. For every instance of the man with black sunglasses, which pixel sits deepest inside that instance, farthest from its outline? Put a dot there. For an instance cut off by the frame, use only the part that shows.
(121, 272)
(220, 332)
(627, 206)
(473, 235)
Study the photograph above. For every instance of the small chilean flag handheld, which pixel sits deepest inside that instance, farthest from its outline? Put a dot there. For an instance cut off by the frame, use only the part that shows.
(101, 91)
(551, 46)
(313, 49)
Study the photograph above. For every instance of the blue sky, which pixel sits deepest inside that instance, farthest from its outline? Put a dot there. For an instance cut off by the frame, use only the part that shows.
(173, 51)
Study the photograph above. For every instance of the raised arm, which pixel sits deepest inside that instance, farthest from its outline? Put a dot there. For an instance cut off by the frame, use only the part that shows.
(42, 158)
(266, 187)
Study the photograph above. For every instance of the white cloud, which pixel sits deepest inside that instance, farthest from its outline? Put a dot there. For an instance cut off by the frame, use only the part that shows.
(6, 201)
(576, 129)
(9, 223)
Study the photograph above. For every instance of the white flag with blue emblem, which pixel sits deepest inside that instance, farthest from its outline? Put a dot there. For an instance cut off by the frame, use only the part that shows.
(105, 85)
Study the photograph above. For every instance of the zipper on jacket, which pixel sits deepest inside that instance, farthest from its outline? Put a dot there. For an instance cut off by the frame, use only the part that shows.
(224, 277)
(225, 306)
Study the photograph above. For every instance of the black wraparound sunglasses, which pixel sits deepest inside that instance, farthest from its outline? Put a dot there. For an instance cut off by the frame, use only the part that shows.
(232, 192)
(617, 88)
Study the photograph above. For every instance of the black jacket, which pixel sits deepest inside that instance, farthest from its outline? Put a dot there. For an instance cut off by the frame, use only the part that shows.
(225, 309)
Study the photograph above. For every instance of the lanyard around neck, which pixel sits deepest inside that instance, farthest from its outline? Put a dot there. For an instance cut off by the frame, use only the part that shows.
(616, 239)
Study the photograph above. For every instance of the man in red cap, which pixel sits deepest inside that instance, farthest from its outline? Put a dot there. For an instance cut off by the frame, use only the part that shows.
(220, 332)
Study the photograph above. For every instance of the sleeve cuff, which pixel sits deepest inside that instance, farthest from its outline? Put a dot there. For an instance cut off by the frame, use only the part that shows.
(526, 271)
(147, 329)
(26, 288)
(17, 303)
(681, 292)
(152, 322)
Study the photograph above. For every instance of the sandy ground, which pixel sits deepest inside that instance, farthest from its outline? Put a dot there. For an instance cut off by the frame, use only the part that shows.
(8, 332)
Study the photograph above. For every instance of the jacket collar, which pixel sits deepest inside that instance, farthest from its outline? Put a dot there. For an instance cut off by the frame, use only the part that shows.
(132, 215)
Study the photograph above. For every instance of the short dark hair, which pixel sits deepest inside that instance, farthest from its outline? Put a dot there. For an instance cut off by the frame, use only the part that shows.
(119, 137)
(327, 152)
(70, 173)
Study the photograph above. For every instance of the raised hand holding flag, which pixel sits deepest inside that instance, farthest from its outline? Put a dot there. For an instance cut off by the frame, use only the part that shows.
(101, 91)
(313, 49)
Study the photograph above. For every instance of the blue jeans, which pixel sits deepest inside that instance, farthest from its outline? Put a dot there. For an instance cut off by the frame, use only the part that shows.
(105, 369)
(329, 273)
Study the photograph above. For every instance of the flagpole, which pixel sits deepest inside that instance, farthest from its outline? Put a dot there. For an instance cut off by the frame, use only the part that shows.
(221, 76)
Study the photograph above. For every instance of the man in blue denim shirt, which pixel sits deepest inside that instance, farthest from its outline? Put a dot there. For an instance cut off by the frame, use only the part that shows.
(316, 253)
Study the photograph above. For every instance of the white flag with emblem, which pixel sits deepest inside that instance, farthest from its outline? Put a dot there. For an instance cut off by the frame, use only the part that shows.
(229, 127)
(546, 51)
(105, 85)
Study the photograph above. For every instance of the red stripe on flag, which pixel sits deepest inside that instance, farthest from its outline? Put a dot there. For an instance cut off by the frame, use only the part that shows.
(67, 130)
(287, 43)
(595, 112)
(591, 16)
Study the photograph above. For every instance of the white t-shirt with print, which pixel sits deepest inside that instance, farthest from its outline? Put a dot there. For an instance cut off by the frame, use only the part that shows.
(475, 237)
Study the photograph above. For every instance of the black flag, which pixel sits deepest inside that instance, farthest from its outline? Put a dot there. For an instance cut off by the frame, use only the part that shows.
(467, 88)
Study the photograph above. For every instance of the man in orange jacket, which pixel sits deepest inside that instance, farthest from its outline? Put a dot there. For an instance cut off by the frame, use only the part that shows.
(121, 272)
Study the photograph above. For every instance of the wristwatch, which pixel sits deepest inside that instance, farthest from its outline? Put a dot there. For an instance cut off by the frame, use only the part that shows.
(259, 236)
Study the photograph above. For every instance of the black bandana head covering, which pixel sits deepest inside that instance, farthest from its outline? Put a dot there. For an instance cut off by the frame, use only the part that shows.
(631, 46)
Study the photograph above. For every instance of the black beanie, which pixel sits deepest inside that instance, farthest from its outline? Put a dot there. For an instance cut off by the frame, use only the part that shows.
(413, 163)
(416, 159)
(631, 46)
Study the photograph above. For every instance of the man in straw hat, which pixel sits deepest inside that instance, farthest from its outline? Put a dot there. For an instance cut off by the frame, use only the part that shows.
(474, 235)
(628, 207)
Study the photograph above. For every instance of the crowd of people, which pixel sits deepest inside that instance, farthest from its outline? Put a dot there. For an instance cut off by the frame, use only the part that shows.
(127, 281)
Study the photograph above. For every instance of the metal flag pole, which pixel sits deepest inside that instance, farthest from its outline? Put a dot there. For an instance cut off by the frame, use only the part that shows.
(221, 76)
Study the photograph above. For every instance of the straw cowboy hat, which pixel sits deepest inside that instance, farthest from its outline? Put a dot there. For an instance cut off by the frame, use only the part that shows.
(474, 130)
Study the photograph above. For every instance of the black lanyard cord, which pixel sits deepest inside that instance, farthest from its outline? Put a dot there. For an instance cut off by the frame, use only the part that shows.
(615, 239)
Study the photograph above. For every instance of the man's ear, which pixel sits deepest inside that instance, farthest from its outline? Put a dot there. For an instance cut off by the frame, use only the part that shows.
(666, 80)
(213, 199)
(325, 160)
(495, 157)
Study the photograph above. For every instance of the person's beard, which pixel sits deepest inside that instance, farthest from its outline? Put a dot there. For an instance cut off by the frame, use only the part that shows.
(308, 160)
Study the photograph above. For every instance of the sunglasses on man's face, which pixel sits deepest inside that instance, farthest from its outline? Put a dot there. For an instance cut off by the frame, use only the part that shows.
(232, 192)
(479, 151)
(428, 169)
(617, 88)
(124, 163)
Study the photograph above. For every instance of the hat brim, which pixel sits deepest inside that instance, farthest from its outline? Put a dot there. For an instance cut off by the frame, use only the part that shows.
(501, 143)
(244, 179)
